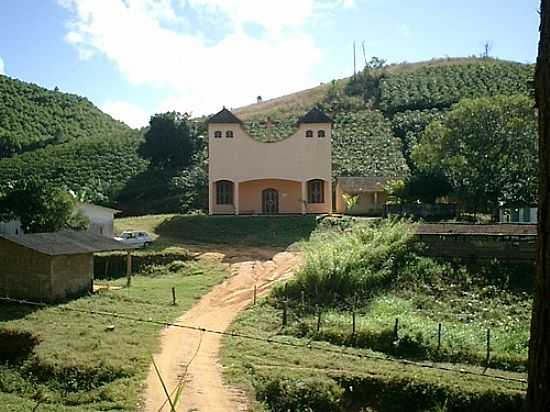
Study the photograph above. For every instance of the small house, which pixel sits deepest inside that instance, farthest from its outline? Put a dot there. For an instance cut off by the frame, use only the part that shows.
(101, 220)
(50, 267)
(361, 195)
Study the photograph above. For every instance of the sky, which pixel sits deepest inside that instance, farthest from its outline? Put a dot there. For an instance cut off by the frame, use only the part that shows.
(134, 58)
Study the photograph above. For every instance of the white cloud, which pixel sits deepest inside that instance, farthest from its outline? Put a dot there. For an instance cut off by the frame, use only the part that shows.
(2, 67)
(131, 114)
(140, 38)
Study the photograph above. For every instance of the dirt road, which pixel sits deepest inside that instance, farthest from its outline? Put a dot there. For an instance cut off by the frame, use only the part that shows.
(204, 390)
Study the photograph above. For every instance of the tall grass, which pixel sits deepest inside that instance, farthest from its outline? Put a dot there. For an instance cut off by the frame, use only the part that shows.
(353, 264)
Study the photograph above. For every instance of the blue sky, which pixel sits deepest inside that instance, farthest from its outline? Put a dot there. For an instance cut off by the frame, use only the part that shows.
(133, 58)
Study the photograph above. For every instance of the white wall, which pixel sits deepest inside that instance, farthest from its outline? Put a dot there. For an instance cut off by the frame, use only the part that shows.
(101, 218)
(12, 227)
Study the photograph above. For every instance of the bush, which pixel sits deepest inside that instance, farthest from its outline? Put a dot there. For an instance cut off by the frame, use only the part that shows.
(357, 263)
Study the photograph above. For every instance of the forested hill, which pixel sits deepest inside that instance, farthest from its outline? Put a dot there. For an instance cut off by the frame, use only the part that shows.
(381, 112)
(32, 117)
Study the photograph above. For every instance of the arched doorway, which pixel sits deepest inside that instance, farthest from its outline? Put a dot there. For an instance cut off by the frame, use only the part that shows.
(270, 202)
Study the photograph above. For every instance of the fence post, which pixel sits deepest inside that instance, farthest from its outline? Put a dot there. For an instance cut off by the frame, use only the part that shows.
(396, 329)
(318, 318)
(488, 349)
(174, 296)
(303, 297)
(439, 337)
(129, 269)
(353, 322)
(254, 294)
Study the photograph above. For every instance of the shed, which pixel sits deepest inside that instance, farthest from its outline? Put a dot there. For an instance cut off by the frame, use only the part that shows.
(369, 191)
(524, 213)
(50, 267)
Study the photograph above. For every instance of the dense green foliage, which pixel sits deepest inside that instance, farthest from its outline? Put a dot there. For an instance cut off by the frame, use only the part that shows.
(40, 207)
(363, 145)
(442, 86)
(98, 167)
(171, 141)
(409, 125)
(487, 148)
(32, 117)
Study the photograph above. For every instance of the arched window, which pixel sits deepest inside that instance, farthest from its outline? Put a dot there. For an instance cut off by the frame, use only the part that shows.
(316, 191)
(309, 133)
(218, 134)
(229, 134)
(224, 192)
(321, 133)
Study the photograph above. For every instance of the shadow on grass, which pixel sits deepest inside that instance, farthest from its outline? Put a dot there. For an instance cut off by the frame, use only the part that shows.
(13, 311)
(255, 231)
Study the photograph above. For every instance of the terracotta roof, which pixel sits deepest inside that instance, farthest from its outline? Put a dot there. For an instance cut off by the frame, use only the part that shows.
(504, 229)
(315, 115)
(67, 243)
(224, 116)
(359, 184)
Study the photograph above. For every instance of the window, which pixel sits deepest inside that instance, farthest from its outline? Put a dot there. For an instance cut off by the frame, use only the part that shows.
(229, 134)
(218, 134)
(224, 192)
(309, 133)
(321, 133)
(316, 191)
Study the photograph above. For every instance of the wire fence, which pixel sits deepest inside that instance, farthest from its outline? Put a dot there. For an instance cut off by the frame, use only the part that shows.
(272, 341)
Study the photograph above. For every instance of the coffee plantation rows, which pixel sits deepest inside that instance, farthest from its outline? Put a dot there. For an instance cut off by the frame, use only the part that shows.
(363, 145)
(32, 117)
(272, 131)
(83, 166)
(442, 86)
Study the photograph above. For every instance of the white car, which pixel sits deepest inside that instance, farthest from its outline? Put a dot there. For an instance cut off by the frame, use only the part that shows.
(135, 238)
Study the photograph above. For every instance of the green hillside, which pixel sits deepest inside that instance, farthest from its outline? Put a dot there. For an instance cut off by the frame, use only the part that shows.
(32, 117)
(442, 86)
(99, 167)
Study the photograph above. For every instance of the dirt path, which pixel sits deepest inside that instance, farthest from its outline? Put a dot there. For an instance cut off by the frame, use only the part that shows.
(204, 389)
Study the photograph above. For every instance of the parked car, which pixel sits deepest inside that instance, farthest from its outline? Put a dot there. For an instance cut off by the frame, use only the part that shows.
(135, 238)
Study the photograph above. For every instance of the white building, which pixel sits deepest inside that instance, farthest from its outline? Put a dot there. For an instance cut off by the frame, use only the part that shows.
(518, 213)
(101, 220)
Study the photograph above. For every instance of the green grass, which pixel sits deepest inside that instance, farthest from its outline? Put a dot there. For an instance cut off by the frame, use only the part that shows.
(81, 364)
(281, 377)
(275, 231)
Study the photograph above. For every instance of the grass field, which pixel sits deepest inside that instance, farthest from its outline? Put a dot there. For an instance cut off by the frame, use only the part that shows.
(89, 362)
(326, 377)
(270, 231)
(375, 269)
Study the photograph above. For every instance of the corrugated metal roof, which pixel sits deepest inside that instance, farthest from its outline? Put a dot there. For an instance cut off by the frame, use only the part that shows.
(67, 243)
(476, 230)
(359, 184)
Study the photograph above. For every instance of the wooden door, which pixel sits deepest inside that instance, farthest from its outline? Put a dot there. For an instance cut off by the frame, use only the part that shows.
(270, 202)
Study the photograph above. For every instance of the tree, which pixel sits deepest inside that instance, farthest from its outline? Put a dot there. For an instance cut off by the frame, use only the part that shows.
(538, 391)
(170, 141)
(487, 148)
(41, 208)
(424, 186)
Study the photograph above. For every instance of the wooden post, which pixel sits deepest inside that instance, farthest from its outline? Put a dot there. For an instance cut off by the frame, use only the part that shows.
(129, 269)
(318, 318)
(353, 322)
(439, 337)
(254, 294)
(488, 349)
(303, 300)
(396, 329)
(174, 296)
